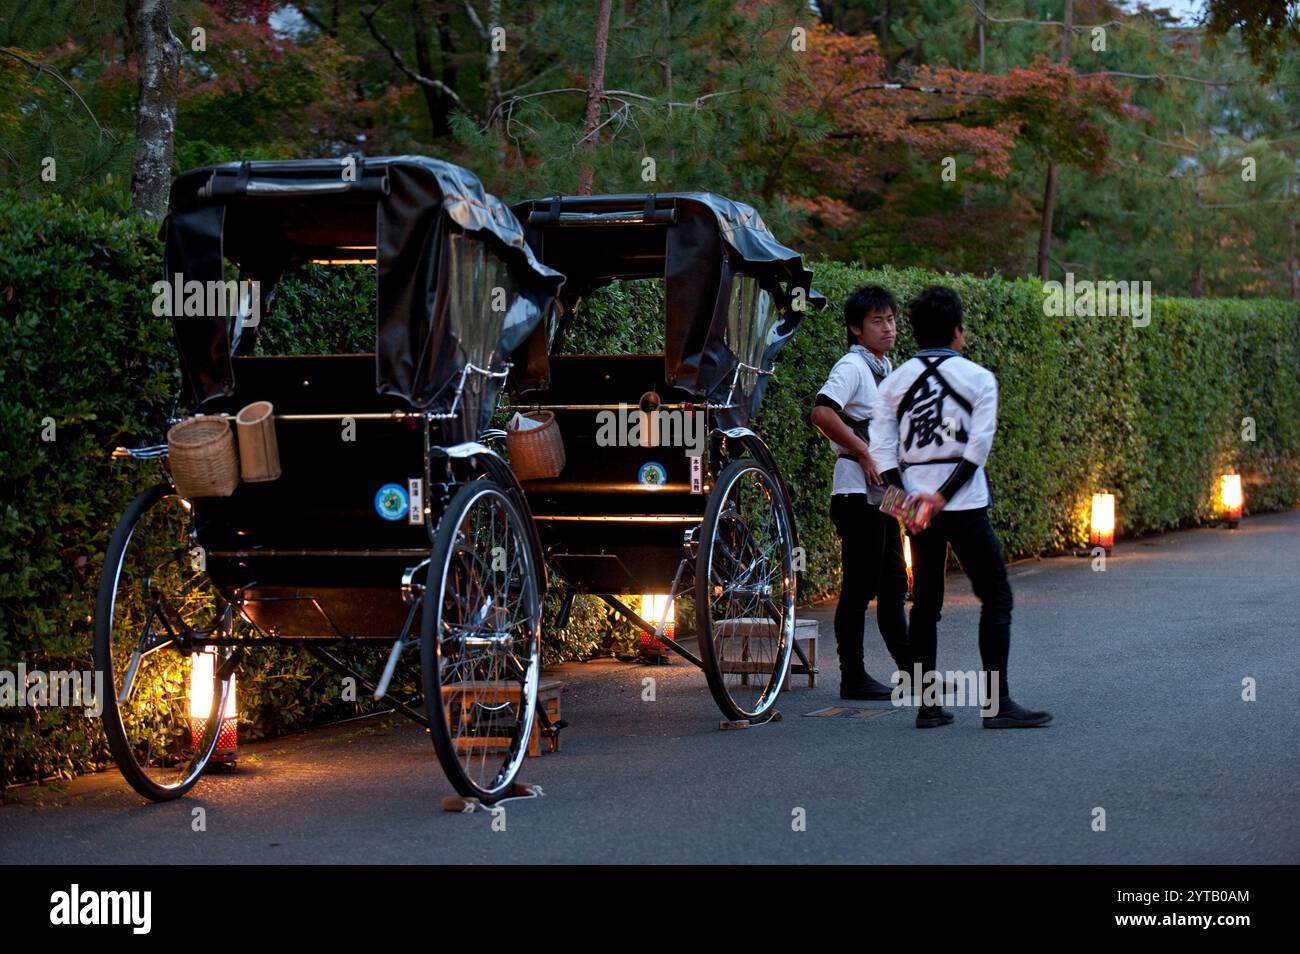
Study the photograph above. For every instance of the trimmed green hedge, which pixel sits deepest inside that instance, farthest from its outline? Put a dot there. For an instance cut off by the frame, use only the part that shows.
(82, 350)
(1152, 413)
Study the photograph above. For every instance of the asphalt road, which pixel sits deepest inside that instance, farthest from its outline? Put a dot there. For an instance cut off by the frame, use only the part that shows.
(1142, 665)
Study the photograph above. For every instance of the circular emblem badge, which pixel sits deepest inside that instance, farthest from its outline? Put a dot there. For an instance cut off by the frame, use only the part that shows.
(391, 502)
(652, 474)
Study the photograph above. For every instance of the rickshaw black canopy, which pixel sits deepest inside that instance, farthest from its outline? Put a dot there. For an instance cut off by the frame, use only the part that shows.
(411, 215)
(704, 246)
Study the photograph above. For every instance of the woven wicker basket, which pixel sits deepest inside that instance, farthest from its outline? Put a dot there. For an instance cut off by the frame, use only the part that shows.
(202, 456)
(538, 452)
(259, 454)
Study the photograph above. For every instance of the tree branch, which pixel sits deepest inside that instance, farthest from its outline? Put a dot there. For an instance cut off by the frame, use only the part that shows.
(476, 20)
(309, 15)
(1072, 27)
(42, 68)
(369, 17)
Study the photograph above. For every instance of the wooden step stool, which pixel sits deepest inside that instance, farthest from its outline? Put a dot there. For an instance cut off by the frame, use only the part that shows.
(750, 631)
(548, 698)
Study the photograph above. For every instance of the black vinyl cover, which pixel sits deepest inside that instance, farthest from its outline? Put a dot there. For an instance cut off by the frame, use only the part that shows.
(700, 243)
(413, 214)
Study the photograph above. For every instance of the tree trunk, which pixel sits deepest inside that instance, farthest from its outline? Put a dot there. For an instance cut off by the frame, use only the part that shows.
(159, 57)
(1045, 225)
(492, 64)
(666, 13)
(450, 75)
(595, 96)
(437, 105)
(1049, 193)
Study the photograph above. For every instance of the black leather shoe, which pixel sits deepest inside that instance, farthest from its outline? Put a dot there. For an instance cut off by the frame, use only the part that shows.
(868, 690)
(1012, 715)
(928, 717)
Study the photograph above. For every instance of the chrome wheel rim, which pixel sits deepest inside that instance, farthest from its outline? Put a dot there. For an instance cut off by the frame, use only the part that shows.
(160, 596)
(751, 592)
(488, 642)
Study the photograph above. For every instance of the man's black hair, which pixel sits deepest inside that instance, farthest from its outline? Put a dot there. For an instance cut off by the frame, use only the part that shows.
(867, 300)
(935, 314)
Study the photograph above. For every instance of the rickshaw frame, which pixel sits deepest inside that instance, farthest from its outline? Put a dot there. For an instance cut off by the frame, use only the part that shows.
(710, 251)
(431, 226)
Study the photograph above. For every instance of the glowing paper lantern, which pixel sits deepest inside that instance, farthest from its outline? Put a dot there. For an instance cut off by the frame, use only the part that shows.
(657, 607)
(203, 684)
(1102, 532)
(1230, 498)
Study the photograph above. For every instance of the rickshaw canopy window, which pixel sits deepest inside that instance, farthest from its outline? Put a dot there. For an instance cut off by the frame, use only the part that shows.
(734, 295)
(456, 283)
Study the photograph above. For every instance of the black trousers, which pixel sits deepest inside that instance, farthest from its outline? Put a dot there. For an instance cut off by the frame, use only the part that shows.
(980, 552)
(871, 558)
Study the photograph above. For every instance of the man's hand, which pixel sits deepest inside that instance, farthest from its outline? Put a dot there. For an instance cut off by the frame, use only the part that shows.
(936, 502)
(869, 468)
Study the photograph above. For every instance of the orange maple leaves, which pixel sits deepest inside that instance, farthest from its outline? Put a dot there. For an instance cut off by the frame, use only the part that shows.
(863, 116)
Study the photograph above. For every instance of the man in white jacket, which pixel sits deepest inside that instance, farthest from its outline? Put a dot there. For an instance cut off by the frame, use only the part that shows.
(871, 549)
(931, 430)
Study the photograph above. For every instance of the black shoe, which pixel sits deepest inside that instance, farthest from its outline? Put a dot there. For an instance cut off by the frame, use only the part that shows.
(866, 689)
(928, 717)
(1012, 715)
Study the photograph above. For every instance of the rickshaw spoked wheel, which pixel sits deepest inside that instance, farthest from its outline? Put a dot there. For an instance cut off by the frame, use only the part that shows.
(481, 640)
(153, 593)
(745, 591)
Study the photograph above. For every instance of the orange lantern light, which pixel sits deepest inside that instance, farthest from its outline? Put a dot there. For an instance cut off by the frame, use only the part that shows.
(203, 685)
(1102, 533)
(657, 608)
(1230, 498)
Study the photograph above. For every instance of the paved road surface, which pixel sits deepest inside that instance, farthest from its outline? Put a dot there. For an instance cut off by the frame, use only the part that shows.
(1142, 665)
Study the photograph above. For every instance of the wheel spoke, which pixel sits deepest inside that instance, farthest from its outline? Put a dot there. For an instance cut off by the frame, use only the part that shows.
(488, 653)
(748, 610)
(153, 597)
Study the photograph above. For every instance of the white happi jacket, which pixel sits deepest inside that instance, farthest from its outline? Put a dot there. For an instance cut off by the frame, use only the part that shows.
(935, 410)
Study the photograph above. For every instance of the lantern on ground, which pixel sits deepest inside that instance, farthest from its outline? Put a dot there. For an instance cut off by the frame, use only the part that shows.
(1102, 531)
(657, 608)
(1230, 498)
(203, 685)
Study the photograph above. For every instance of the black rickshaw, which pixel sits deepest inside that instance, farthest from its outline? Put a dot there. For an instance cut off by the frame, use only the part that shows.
(403, 530)
(709, 524)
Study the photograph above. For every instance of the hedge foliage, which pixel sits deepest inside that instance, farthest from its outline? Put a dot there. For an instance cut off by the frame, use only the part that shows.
(85, 367)
(1152, 413)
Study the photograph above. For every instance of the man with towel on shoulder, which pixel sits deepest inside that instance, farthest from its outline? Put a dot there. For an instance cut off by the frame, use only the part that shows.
(871, 547)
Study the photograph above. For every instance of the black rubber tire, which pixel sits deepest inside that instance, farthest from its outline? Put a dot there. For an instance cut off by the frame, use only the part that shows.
(114, 728)
(444, 544)
(729, 477)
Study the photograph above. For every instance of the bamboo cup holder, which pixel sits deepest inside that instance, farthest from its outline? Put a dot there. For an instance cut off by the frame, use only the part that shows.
(259, 455)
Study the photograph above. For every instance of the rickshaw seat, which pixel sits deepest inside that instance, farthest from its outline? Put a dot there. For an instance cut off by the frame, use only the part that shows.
(315, 531)
(606, 478)
(604, 528)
